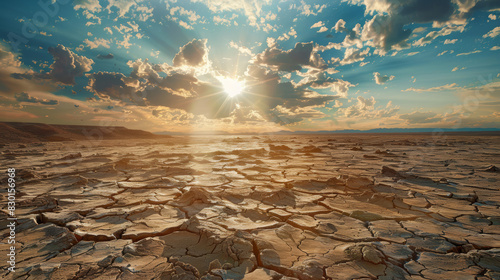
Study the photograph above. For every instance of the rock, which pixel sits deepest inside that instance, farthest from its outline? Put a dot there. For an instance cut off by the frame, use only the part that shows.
(145, 247)
(215, 264)
(492, 169)
(358, 182)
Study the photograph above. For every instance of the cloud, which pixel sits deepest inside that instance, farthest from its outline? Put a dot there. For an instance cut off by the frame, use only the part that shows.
(308, 10)
(390, 26)
(144, 13)
(292, 60)
(123, 6)
(469, 53)
(105, 56)
(269, 92)
(251, 8)
(91, 5)
(495, 48)
(191, 15)
(24, 97)
(193, 54)
(322, 29)
(434, 89)
(97, 42)
(380, 80)
(284, 116)
(14, 78)
(319, 80)
(353, 36)
(448, 41)
(126, 41)
(318, 25)
(365, 108)
(219, 20)
(241, 49)
(492, 33)
(352, 55)
(420, 117)
(68, 65)
(458, 68)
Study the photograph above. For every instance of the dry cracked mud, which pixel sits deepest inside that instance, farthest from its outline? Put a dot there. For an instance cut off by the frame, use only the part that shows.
(256, 207)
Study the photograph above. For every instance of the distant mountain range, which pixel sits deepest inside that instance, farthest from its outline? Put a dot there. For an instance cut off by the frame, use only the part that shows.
(376, 130)
(17, 132)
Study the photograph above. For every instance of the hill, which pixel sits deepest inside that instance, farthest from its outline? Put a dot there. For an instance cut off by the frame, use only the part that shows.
(18, 132)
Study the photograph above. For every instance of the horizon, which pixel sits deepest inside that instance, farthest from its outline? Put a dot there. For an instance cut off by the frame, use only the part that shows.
(260, 67)
(382, 130)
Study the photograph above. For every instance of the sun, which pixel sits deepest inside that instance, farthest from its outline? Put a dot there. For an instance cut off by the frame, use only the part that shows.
(231, 86)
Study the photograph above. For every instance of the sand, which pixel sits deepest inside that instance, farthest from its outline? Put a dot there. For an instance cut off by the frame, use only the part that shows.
(256, 207)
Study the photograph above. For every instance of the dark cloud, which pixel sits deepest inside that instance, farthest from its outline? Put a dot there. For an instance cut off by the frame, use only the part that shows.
(114, 86)
(68, 65)
(24, 97)
(301, 55)
(266, 91)
(194, 53)
(387, 28)
(105, 56)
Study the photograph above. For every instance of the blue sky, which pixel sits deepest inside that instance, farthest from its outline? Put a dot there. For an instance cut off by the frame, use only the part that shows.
(252, 65)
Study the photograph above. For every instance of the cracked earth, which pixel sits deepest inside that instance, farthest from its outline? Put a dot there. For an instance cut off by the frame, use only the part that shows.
(256, 207)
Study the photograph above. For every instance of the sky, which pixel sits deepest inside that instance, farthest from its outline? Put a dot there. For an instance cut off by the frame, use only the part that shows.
(245, 66)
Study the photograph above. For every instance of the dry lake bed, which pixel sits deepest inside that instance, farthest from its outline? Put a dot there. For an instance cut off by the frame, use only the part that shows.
(380, 206)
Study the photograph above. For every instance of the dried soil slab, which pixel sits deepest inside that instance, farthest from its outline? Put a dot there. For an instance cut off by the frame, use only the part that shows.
(389, 230)
(104, 229)
(155, 221)
(365, 211)
(341, 227)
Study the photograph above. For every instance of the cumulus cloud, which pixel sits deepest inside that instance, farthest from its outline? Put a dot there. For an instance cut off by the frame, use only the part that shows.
(68, 65)
(448, 41)
(388, 29)
(194, 54)
(318, 25)
(24, 97)
(353, 36)
(382, 79)
(301, 55)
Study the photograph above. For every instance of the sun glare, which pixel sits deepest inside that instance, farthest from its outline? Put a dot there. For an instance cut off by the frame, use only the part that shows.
(231, 86)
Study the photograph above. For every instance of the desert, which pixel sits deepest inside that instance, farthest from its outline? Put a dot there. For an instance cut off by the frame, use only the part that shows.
(343, 206)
